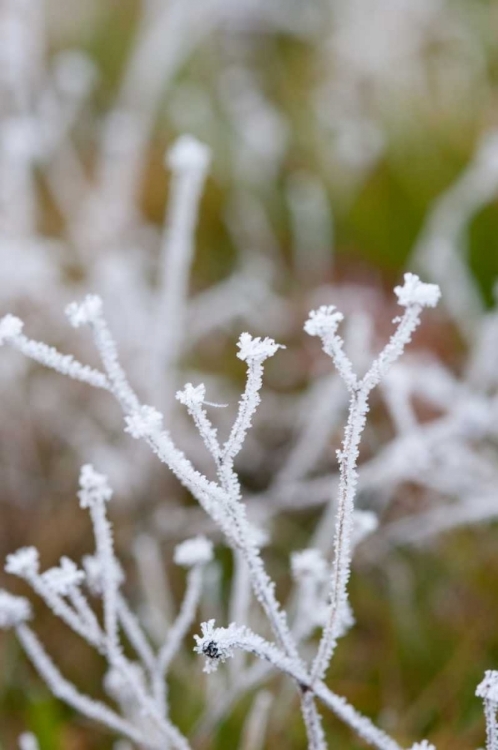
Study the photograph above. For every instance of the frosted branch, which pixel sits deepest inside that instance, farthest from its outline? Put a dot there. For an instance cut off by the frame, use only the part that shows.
(189, 161)
(193, 399)
(313, 723)
(64, 690)
(413, 295)
(90, 312)
(195, 555)
(94, 494)
(14, 610)
(488, 691)
(361, 725)
(24, 564)
(135, 634)
(254, 351)
(11, 333)
(324, 323)
(219, 644)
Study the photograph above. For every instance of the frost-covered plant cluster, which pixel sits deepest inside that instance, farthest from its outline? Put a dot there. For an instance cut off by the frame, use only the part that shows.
(138, 685)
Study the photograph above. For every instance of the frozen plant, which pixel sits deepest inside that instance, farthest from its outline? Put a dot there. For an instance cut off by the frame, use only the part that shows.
(138, 687)
(142, 684)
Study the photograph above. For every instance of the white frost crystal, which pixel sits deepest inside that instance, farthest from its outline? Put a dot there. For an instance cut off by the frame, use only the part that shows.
(23, 563)
(94, 487)
(416, 292)
(10, 327)
(192, 395)
(14, 610)
(323, 321)
(488, 688)
(80, 314)
(256, 349)
(62, 579)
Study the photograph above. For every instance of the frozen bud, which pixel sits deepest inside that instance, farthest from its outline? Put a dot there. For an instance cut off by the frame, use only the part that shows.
(365, 522)
(324, 321)
(415, 292)
(94, 487)
(309, 563)
(85, 312)
(94, 574)
(25, 562)
(256, 349)
(10, 327)
(14, 610)
(144, 422)
(192, 395)
(188, 154)
(488, 688)
(61, 580)
(197, 551)
(217, 644)
(424, 745)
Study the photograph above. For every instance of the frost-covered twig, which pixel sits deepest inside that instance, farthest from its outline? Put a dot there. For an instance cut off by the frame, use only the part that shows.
(219, 644)
(94, 494)
(59, 587)
(189, 162)
(11, 332)
(488, 691)
(194, 399)
(90, 312)
(52, 589)
(413, 296)
(254, 351)
(313, 723)
(64, 690)
(133, 630)
(193, 554)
